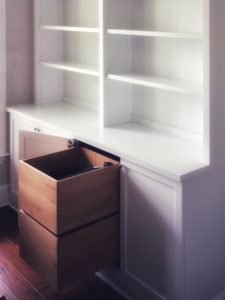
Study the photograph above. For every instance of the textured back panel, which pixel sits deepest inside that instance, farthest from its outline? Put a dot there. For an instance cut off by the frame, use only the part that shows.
(81, 90)
(168, 109)
(51, 85)
(159, 15)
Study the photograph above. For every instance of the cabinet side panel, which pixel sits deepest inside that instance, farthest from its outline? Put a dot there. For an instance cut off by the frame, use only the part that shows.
(204, 235)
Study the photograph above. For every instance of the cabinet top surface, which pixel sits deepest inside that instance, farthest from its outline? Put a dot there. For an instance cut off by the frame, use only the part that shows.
(165, 154)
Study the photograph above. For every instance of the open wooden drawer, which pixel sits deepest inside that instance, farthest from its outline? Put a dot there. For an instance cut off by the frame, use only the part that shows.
(60, 200)
(64, 260)
(69, 210)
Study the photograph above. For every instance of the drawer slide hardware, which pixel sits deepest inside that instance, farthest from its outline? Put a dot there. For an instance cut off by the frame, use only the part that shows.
(72, 143)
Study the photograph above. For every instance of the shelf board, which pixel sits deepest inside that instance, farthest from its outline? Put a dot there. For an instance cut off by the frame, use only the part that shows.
(177, 35)
(173, 85)
(68, 66)
(70, 28)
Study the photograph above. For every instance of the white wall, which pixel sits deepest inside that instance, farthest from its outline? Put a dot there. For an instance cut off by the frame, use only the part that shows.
(19, 48)
(19, 66)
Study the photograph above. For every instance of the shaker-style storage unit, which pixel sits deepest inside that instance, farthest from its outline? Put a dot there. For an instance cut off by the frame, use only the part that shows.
(69, 210)
(146, 83)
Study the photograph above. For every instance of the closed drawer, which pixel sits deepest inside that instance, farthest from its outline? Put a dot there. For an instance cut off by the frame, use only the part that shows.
(66, 259)
(60, 199)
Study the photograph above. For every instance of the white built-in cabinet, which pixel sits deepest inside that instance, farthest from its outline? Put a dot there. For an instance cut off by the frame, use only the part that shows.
(143, 80)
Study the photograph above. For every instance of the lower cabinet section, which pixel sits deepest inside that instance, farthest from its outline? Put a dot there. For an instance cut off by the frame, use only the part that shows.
(69, 209)
(62, 203)
(64, 260)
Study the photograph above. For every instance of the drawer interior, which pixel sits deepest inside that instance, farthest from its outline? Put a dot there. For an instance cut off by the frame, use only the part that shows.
(72, 162)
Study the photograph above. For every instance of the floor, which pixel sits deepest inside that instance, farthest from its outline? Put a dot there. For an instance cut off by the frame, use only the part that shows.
(19, 281)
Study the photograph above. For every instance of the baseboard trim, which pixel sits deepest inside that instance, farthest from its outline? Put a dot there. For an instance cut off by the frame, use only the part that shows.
(129, 288)
(4, 195)
(114, 286)
(220, 296)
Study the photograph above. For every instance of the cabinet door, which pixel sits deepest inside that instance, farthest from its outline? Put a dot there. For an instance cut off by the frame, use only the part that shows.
(151, 212)
(16, 125)
(32, 144)
(25, 143)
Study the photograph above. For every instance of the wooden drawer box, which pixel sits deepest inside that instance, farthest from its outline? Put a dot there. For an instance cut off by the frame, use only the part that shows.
(63, 260)
(62, 203)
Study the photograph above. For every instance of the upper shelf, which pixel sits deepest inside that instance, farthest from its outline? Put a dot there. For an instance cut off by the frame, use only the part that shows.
(69, 66)
(70, 28)
(177, 35)
(173, 85)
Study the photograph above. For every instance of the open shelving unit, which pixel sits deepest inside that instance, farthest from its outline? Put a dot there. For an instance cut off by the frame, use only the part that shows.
(131, 62)
(67, 52)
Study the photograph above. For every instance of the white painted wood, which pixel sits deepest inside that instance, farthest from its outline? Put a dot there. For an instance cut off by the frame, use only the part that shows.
(2, 77)
(171, 65)
(78, 13)
(42, 142)
(204, 223)
(66, 66)
(21, 147)
(69, 28)
(16, 124)
(60, 26)
(176, 35)
(146, 147)
(152, 224)
(156, 15)
(178, 86)
(168, 133)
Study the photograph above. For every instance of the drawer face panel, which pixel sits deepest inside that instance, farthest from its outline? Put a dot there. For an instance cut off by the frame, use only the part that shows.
(62, 191)
(63, 260)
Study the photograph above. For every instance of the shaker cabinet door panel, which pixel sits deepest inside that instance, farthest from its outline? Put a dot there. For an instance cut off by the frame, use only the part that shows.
(16, 126)
(34, 144)
(151, 231)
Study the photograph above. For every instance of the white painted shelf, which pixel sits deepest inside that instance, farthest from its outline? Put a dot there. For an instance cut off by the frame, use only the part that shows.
(68, 66)
(177, 35)
(70, 28)
(173, 85)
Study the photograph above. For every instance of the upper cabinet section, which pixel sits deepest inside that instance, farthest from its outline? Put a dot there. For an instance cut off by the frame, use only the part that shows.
(69, 13)
(137, 65)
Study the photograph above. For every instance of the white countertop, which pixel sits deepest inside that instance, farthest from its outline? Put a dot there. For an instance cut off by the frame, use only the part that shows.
(168, 155)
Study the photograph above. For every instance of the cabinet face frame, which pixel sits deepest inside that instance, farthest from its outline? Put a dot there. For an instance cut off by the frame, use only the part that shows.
(177, 261)
(16, 124)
